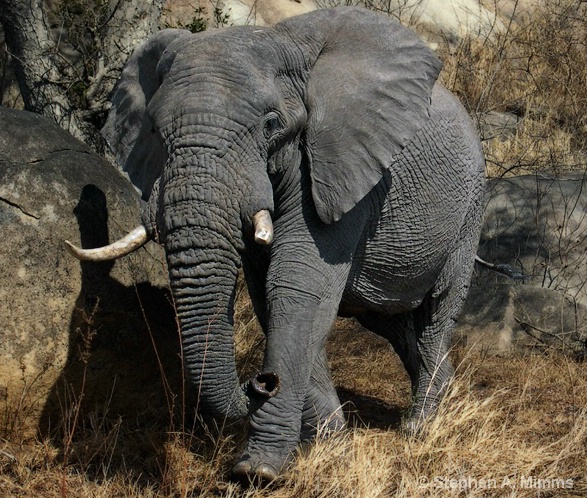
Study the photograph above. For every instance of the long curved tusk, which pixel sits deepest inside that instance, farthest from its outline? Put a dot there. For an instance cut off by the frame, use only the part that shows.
(263, 227)
(129, 243)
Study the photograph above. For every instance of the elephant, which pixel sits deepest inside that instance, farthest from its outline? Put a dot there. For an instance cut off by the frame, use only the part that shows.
(322, 156)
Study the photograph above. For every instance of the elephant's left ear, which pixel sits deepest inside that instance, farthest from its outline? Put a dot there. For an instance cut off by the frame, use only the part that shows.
(129, 129)
(368, 94)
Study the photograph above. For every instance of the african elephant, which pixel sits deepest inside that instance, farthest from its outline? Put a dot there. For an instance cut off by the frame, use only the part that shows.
(322, 155)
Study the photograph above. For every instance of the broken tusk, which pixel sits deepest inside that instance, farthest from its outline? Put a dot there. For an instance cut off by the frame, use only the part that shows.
(127, 244)
(263, 227)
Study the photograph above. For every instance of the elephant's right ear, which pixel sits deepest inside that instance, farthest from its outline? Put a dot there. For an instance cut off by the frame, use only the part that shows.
(129, 128)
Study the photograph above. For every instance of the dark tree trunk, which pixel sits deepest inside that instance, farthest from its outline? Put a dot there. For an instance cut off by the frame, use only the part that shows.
(67, 55)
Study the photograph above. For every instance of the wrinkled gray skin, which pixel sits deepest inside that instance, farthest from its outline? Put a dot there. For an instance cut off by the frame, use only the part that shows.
(374, 177)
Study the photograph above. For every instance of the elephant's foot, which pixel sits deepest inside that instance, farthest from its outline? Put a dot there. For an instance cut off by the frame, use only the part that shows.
(258, 472)
(416, 422)
(248, 474)
(413, 426)
(322, 426)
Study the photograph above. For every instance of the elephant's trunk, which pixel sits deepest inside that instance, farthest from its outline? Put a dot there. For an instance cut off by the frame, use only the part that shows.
(204, 307)
(198, 210)
(203, 281)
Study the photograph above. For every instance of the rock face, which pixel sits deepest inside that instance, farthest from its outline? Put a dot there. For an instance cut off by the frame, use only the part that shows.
(234, 12)
(538, 225)
(71, 331)
(453, 18)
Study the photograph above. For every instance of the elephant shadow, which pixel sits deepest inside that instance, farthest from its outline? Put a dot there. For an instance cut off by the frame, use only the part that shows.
(350, 347)
(368, 411)
(123, 373)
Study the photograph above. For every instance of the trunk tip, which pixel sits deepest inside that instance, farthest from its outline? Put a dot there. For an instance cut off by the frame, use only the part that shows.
(266, 384)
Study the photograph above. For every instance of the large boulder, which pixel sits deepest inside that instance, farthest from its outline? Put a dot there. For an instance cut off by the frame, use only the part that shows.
(537, 224)
(96, 335)
(448, 18)
(233, 12)
(437, 19)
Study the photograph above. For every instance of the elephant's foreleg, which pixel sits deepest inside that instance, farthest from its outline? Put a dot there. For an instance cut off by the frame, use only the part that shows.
(294, 342)
(309, 266)
(322, 413)
(275, 426)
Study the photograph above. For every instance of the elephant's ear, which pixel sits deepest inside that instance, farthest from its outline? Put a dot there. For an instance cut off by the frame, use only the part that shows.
(368, 94)
(129, 129)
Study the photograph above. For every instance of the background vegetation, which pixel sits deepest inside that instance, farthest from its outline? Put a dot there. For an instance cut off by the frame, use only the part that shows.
(504, 418)
(535, 71)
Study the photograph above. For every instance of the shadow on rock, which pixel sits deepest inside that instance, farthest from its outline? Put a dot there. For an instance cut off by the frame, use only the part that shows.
(538, 225)
(123, 370)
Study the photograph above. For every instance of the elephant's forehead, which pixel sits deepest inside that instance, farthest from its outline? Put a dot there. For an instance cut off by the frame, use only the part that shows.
(245, 49)
(224, 74)
(226, 69)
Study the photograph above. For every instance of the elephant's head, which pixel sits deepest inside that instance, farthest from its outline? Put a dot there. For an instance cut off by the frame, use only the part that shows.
(209, 126)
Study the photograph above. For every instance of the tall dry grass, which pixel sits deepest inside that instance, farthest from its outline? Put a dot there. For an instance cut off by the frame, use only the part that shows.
(505, 423)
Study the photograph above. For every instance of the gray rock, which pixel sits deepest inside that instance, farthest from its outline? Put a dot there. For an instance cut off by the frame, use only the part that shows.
(71, 331)
(501, 318)
(538, 225)
(438, 19)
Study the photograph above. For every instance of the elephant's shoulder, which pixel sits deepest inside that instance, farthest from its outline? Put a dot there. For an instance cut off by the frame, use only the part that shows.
(446, 106)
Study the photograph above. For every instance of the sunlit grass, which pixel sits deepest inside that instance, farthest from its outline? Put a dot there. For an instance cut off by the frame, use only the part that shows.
(503, 420)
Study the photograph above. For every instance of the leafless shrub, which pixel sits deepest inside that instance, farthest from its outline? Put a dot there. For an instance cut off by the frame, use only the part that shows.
(67, 55)
(535, 71)
(406, 11)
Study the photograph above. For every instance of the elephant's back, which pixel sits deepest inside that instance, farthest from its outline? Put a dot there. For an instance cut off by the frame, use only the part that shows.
(447, 108)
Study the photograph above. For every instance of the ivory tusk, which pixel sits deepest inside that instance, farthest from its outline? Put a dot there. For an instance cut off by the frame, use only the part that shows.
(263, 227)
(129, 243)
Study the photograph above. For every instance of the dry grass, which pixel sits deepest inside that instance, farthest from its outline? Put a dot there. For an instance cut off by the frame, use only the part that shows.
(535, 69)
(504, 420)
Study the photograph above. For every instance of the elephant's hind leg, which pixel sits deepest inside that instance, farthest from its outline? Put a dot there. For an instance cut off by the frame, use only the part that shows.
(322, 413)
(422, 345)
(434, 322)
(422, 337)
(399, 331)
(433, 327)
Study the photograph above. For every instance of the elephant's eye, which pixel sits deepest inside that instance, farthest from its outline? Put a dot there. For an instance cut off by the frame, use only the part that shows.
(271, 126)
